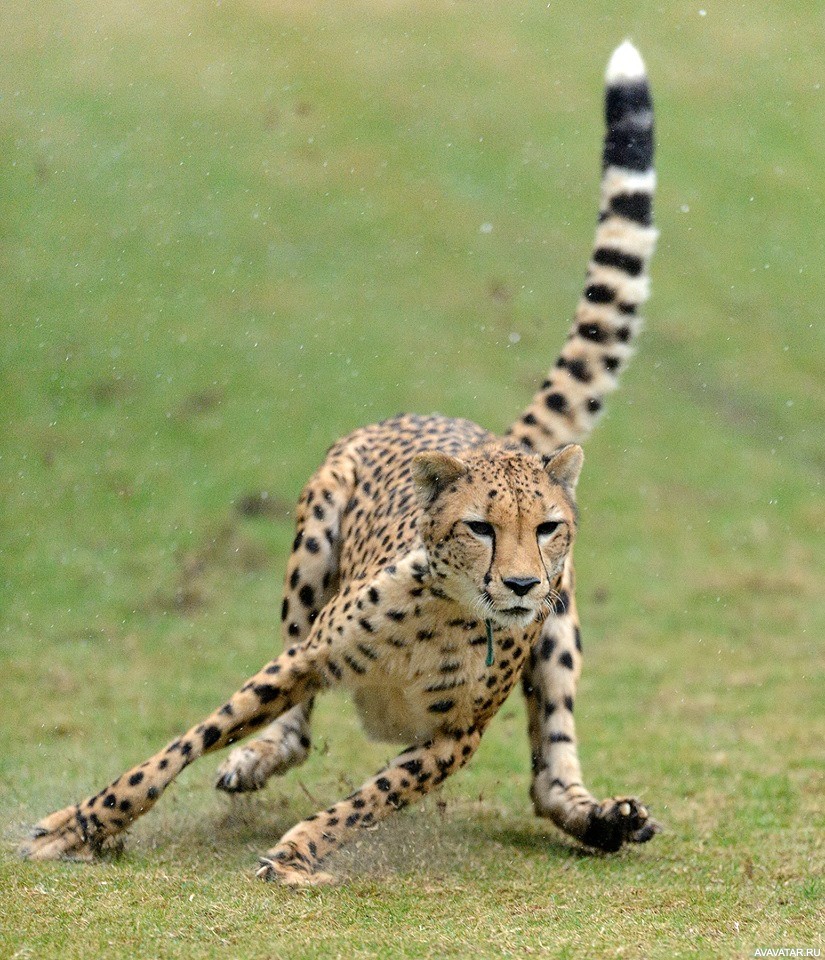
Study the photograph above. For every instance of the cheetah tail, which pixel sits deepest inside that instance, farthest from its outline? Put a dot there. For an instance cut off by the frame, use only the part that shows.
(601, 339)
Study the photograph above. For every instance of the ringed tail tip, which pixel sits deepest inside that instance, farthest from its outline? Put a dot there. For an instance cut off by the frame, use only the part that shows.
(625, 66)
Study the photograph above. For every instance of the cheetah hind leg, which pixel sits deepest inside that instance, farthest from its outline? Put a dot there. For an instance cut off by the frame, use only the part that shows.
(283, 745)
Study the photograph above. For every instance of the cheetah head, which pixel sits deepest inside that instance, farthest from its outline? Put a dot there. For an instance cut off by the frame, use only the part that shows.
(498, 526)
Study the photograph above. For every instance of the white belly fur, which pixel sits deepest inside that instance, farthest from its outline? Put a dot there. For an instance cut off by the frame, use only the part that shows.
(389, 715)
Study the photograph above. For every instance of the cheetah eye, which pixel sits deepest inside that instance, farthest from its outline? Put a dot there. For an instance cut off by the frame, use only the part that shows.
(480, 528)
(547, 528)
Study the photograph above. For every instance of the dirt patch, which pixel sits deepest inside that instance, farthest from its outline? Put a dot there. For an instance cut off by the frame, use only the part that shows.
(110, 390)
(202, 570)
(263, 504)
(799, 577)
(199, 404)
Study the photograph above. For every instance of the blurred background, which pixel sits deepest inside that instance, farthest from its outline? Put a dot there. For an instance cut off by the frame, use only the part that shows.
(232, 231)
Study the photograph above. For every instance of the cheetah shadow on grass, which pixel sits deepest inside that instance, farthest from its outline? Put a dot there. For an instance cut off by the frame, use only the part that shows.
(436, 837)
(441, 837)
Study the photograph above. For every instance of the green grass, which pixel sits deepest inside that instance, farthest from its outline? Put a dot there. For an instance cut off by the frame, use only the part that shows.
(230, 233)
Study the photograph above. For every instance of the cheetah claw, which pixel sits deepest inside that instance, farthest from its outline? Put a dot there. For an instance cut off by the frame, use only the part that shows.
(617, 821)
(59, 836)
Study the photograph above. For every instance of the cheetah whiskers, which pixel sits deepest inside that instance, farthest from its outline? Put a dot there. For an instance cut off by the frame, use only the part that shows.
(551, 601)
(483, 603)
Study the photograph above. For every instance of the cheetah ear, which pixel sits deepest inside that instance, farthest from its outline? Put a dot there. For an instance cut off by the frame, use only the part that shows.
(432, 471)
(564, 466)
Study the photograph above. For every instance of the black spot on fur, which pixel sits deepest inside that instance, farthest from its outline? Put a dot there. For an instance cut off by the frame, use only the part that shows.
(599, 293)
(557, 402)
(211, 735)
(441, 706)
(577, 369)
(547, 645)
(592, 332)
(610, 257)
(354, 664)
(266, 692)
(637, 207)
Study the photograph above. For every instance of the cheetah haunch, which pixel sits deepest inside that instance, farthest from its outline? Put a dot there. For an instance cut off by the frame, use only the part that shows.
(421, 543)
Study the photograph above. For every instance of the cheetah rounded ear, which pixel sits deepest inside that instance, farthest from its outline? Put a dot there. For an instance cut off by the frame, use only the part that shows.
(565, 466)
(432, 471)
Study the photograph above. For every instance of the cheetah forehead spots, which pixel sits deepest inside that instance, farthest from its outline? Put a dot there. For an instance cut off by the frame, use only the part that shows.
(505, 487)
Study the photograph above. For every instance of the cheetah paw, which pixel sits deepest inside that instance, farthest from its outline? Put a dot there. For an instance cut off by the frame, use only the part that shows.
(617, 821)
(281, 871)
(248, 768)
(59, 836)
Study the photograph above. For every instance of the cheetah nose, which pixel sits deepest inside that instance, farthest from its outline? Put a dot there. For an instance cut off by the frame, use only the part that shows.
(520, 585)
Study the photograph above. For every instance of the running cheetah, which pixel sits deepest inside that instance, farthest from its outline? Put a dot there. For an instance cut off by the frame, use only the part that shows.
(431, 569)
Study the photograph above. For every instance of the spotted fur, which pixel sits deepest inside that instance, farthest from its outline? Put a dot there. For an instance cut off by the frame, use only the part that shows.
(412, 537)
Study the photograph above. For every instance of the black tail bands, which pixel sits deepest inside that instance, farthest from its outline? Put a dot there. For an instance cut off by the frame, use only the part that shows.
(628, 111)
(601, 339)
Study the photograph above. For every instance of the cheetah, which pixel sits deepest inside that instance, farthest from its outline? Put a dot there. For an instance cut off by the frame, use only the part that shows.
(432, 569)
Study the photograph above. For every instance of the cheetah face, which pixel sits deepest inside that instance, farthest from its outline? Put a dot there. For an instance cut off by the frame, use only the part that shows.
(498, 526)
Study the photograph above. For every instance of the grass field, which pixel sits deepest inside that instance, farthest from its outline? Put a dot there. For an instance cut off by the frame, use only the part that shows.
(230, 232)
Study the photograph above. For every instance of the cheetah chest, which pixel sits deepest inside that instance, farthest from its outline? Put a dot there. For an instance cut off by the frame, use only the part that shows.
(437, 679)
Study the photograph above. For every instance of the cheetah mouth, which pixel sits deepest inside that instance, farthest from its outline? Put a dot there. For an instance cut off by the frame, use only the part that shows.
(515, 616)
(517, 611)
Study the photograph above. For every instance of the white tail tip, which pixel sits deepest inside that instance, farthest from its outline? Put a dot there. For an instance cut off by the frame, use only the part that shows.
(625, 65)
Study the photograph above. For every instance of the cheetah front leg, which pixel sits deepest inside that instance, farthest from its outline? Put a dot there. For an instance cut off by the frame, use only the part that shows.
(83, 830)
(299, 853)
(549, 683)
(311, 580)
